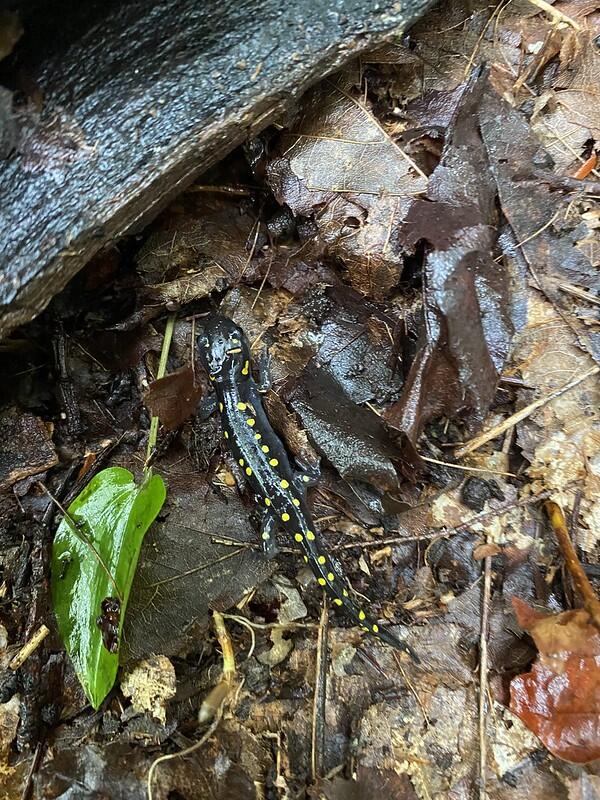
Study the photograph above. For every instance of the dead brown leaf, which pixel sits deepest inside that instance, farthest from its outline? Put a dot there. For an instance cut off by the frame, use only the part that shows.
(340, 165)
(174, 398)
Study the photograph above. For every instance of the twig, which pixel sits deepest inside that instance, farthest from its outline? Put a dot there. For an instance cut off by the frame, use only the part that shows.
(29, 647)
(568, 183)
(35, 763)
(181, 753)
(222, 691)
(320, 694)
(226, 647)
(267, 626)
(441, 534)
(577, 291)
(591, 603)
(483, 673)
(509, 422)
(557, 16)
(411, 687)
(489, 471)
(162, 368)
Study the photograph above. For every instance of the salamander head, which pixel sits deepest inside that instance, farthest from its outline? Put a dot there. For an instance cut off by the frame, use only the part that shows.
(223, 350)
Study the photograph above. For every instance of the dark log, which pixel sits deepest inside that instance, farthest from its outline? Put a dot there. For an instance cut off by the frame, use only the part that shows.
(137, 100)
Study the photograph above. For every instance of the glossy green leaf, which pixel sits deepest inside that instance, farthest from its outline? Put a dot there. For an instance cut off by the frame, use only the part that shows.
(95, 559)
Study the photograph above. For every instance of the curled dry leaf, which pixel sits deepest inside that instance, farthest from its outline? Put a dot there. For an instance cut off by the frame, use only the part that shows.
(559, 700)
(340, 165)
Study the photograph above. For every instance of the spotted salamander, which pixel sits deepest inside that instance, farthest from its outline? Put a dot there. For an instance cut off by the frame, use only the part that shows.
(280, 490)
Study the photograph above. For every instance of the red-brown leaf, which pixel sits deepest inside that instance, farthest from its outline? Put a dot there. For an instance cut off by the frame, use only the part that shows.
(559, 700)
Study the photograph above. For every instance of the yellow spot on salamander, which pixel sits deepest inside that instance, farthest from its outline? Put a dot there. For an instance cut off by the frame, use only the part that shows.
(305, 558)
(321, 581)
(241, 406)
(296, 502)
(241, 462)
(251, 421)
(273, 462)
(345, 592)
(220, 406)
(362, 615)
(267, 501)
(298, 537)
(265, 536)
(284, 484)
(375, 628)
(285, 517)
(264, 448)
(310, 536)
(322, 560)
(337, 601)
(246, 368)
(330, 576)
(306, 478)
(225, 434)
(248, 471)
(257, 436)
(212, 377)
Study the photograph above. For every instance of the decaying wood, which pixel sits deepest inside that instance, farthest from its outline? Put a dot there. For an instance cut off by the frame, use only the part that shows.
(138, 102)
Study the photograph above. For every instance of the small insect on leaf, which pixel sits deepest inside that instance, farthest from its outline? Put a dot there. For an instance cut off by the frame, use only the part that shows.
(94, 557)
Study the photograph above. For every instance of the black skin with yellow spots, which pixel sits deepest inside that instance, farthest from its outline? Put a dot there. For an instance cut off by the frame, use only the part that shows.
(280, 491)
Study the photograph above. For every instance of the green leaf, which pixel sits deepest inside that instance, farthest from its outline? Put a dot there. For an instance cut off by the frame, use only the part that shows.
(95, 559)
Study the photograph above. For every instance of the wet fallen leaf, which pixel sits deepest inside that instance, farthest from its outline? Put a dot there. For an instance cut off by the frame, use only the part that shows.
(351, 437)
(341, 166)
(196, 559)
(559, 700)
(174, 398)
(468, 331)
(94, 557)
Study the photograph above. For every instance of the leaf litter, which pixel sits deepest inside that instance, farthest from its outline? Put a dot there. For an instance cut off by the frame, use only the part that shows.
(416, 253)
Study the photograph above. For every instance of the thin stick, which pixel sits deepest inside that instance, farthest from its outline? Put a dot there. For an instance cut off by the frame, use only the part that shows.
(468, 469)
(577, 291)
(319, 697)
(483, 673)
(509, 422)
(181, 753)
(557, 16)
(162, 368)
(226, 647)
(580, 579)
(228, 678)
(29, 647)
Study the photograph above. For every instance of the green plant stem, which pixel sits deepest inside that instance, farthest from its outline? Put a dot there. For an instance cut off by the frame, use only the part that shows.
(162, 368)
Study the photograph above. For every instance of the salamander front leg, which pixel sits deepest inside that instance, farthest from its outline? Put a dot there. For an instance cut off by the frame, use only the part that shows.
(263, 363)
(207, 407)
(267, 533)
(308, 475)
